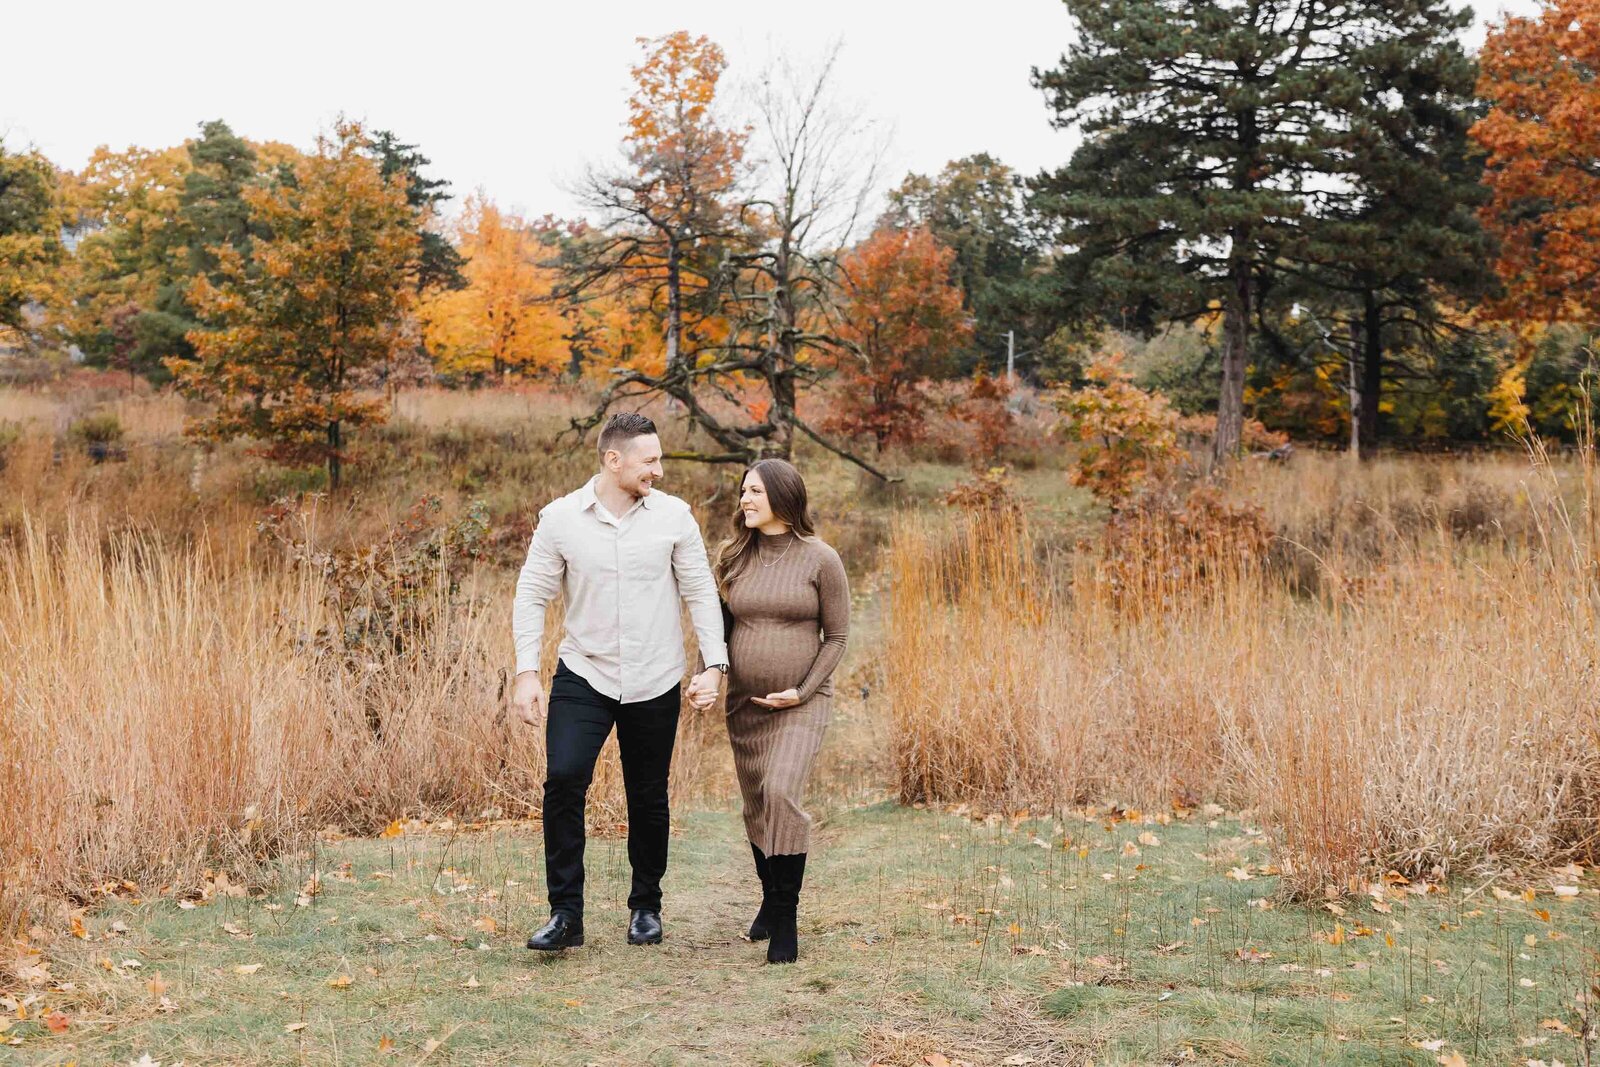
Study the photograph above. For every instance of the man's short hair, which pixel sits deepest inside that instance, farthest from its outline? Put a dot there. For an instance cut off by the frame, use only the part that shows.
(623, 427)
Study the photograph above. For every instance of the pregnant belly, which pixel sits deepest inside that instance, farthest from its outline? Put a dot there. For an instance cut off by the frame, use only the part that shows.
(770, 658)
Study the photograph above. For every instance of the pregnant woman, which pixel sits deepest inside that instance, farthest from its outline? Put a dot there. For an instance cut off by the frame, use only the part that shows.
(790, 605)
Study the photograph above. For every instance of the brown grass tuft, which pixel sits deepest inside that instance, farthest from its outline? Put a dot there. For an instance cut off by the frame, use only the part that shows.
(1430, 707)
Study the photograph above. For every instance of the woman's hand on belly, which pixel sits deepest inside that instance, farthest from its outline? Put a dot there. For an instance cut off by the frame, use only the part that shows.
(777, 701)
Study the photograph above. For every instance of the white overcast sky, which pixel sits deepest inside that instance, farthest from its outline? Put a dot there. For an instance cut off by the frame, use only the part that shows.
(513, 98)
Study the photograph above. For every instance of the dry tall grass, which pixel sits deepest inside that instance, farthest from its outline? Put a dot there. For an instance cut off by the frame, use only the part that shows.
(167, 708)
(1429, 706)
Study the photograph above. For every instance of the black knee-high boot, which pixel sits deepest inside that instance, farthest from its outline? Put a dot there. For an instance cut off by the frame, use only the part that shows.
(761, 926)
(788, 872)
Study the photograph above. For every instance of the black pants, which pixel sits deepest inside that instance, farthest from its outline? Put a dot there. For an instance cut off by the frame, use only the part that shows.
(579, 722)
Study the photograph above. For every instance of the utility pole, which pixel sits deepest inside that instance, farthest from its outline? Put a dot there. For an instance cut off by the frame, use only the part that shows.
(1011, 357)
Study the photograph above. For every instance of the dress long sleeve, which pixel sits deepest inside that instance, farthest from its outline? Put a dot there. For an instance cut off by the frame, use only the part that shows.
(833, 589)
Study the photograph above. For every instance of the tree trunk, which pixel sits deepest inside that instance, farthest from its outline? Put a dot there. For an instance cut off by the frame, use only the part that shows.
(783, 354)
(1371, 372)
(1236, 332)
(334, 463)
(1353, 361)
(674, 303)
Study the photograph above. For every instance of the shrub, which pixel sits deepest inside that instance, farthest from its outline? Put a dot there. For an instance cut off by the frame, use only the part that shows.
(1130, 436)
(99, 434)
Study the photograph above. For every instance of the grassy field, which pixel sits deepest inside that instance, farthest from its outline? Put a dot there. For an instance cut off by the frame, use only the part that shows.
(1389, 666)
(927, 937)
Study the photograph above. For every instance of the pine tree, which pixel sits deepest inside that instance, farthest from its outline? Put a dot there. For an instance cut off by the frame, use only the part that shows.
(1217, 136)
(438, 263)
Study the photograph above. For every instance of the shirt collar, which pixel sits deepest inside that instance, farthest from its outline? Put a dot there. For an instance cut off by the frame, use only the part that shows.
(588, 499)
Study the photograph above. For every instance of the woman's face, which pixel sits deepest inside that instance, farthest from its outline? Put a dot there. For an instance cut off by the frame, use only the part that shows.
(754, 503)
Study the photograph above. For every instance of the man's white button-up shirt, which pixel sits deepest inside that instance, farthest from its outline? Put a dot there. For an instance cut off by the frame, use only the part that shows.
(622, 577)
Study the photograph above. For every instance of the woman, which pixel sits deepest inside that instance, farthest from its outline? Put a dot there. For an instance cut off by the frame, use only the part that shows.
(789, 604)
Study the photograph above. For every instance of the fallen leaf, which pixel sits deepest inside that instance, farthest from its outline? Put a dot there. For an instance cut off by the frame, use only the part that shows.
(1566, 892)
(934, 1059)
(385, 1043)
(486, 924)
(247, 968)
(294, 1028)
(394, 829)
(341, 982)
(57, 1022)
(471, 983)
(156, 986)
(1239, 874)
(1453, 1059)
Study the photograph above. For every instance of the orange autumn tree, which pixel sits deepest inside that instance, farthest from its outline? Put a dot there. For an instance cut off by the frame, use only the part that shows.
(323, 299)
(667, 220)
(1542, 78)
(1130, 436)
(903, 321)
(505, 319)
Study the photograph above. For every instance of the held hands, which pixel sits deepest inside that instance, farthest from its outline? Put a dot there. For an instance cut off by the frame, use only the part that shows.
(704, 687)
(778, 701)
(527, 698)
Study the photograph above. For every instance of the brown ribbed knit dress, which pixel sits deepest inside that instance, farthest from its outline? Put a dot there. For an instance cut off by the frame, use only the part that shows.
(791, 616)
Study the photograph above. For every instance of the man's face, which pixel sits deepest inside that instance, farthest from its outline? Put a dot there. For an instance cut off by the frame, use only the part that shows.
(637, 465)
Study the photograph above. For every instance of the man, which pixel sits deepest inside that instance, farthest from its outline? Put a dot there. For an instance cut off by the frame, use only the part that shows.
(623, 554)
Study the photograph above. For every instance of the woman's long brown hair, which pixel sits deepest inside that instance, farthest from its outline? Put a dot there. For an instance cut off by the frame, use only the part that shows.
(786, 493)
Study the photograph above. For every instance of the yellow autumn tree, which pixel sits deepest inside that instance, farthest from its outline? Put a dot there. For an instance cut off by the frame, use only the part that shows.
(506, 319)
(323, 300)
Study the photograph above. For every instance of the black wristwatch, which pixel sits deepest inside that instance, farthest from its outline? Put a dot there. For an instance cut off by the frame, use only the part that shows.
(723, 667)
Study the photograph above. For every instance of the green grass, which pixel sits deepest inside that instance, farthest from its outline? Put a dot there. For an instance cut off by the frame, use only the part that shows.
(924, 935)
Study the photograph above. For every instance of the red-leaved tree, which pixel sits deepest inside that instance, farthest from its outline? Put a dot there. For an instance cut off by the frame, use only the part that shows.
(1543, 170)
(903, 321)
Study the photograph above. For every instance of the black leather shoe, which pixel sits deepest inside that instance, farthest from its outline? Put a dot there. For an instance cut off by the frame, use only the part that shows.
(562, 931)
(644, 928)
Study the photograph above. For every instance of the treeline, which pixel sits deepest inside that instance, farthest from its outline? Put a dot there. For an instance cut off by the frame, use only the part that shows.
(1326, 216)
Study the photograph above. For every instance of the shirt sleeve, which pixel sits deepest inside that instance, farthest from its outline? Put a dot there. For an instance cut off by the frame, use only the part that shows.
(833, 592)
(698, 588)
(537, 585)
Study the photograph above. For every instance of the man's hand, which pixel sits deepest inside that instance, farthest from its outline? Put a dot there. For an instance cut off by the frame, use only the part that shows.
(704, 687)
(777, 701)
(527, 698)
